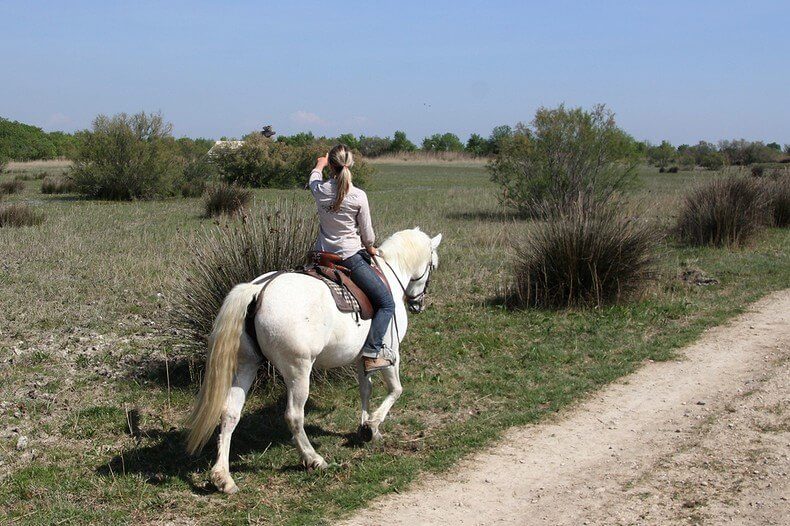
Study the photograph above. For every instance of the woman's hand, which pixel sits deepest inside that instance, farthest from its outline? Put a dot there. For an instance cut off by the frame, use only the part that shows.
(321, 163)
(373, 251)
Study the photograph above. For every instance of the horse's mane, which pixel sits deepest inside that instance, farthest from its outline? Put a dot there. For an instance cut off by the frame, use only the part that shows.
(410, 249)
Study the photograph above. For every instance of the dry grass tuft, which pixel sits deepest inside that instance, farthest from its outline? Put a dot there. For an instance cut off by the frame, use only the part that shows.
(11, 187)
(582, 257)
(18, 215)
(278, 236)
(226, 199)
(777, 193)
(58, 184)
(723, 212)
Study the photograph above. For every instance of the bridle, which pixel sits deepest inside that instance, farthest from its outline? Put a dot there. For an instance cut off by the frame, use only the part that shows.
(416, 302)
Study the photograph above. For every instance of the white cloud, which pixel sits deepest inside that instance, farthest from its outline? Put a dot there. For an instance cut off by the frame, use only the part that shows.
(306, 117)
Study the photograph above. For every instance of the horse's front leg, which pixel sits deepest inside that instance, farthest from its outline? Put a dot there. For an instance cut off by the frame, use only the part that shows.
(391, 377)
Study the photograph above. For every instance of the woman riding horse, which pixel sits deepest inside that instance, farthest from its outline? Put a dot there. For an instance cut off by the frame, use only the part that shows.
(347, 231)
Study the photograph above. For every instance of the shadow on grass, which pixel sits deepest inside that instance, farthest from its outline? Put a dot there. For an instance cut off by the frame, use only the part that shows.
(256, 432)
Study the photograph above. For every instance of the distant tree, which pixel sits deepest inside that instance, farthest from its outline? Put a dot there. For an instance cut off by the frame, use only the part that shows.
(374, 146)
(774, 146)
(742, 152)
(23, 142)
(349, 140)
(477, 145)
(448, 142)
(662, 154)
(400, 143)
(787, 149)
(298, 139)
(498, 135)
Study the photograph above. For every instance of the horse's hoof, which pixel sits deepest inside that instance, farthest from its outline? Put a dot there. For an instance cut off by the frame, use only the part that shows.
(317, 463)
(224, 484)
(365, 432)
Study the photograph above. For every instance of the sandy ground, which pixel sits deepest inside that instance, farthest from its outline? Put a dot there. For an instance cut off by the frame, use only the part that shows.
(702, 440)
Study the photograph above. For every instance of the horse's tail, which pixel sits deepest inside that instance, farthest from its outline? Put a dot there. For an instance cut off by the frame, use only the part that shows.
(223, 347)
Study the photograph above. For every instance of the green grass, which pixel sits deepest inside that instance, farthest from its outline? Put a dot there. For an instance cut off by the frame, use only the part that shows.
(86, 295)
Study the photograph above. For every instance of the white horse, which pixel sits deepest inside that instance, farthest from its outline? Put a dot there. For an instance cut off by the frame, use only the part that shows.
(298, 327)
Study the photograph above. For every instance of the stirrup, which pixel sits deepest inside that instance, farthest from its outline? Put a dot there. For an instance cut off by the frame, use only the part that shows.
(384, 359)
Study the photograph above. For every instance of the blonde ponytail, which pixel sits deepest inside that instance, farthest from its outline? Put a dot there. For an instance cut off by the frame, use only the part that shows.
(340, 161)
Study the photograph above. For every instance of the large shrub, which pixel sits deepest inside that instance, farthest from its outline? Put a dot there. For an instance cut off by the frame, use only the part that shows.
(263, 163)
(277, 236)
(127, 157)
(723, 211)
(567, 155)
(582, 257)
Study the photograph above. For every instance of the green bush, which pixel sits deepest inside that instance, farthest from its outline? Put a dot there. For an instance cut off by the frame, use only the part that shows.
(18, 215)
(127, 157)
(582, 257)
(226, 199)
(277, 236)
(56, 184)
(263, 163)
(566, 156)
(723, 212)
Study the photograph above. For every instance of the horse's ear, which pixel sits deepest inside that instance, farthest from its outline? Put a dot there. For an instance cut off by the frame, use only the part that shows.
(435, 241)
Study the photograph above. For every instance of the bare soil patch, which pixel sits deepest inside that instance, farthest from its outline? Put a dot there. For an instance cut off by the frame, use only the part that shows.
(701, 440)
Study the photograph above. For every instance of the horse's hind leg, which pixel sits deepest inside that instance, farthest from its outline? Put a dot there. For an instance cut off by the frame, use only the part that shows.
(242, 380)
(297, 380)
(391, 377)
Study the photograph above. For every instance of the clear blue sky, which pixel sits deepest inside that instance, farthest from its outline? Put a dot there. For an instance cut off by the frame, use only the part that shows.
(677, 70)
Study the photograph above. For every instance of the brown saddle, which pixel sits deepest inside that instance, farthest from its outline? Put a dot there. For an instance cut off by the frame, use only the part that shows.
(347, 295)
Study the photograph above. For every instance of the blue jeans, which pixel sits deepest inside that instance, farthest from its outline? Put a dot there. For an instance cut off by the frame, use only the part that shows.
(380, 296)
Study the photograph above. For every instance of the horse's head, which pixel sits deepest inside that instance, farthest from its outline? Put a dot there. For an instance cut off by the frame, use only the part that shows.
(415, 254)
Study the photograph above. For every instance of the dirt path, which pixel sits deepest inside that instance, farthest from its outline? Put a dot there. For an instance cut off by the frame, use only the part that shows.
(703, 440)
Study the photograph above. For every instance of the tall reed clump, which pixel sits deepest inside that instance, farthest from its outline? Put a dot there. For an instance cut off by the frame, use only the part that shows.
(58, 184)
(227, 199)
(777, 193)
(13, 186)
(582, 257)
(18, 215)
(723, 212)
(276, 236)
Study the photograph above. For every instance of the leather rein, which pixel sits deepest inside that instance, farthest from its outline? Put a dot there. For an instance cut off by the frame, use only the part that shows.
(416, 301)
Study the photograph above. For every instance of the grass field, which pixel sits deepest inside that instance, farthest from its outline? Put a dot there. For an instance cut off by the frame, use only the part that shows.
(88, 377)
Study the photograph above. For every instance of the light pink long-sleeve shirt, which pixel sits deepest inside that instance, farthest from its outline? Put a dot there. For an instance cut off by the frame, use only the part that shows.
(348, 230)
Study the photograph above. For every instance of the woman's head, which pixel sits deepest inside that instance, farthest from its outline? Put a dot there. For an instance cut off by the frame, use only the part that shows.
(340, 161)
